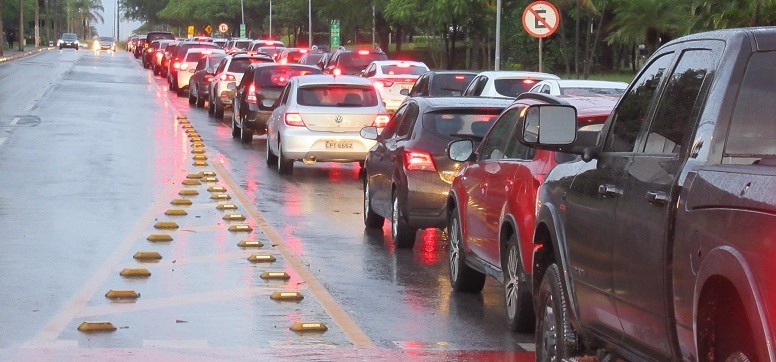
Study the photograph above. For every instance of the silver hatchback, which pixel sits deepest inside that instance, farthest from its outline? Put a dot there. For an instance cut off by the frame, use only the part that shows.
(317, 118)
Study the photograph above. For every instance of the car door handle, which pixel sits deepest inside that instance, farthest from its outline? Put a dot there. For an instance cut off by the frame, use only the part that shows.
(657, 197)
(608, 190)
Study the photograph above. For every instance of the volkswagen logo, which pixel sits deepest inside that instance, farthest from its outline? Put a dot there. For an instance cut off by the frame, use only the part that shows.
(338, 119)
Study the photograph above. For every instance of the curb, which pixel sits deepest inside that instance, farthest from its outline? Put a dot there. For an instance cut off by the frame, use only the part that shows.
(22, 55)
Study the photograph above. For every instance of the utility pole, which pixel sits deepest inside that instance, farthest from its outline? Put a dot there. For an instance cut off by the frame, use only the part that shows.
(498, 36)
(21, 26)
(37, 23)
(118, 20)
(310, 23)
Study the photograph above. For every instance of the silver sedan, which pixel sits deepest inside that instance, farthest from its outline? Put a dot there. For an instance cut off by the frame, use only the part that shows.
(318, 119)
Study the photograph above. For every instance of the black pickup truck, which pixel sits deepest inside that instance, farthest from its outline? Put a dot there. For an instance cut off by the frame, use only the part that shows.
(659, 243)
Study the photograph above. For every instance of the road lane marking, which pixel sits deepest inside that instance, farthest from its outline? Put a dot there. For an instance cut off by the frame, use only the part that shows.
(15, 121)
(2, 140)
(340, 317)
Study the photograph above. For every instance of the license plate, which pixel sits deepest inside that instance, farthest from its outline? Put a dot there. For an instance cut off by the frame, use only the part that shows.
(339, 145)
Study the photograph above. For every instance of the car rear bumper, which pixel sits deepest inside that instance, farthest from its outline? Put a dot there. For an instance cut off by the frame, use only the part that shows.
(426, 199)
(303, 144)
(183, 78)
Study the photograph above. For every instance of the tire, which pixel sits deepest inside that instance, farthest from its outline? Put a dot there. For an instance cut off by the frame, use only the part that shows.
(235, 129)
(556, 340)
(285, 166)
(518, 301)
(724, 331)
(371, 219)
(180, 92)
(403, 234)
(211, 107)
(272, 160)
(246, 136)
(200, 101)
(219, 110)
(156, 71)
(462, 277)
(192, 95)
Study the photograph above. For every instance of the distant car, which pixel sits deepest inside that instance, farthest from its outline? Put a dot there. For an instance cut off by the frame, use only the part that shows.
(237, 45)
(394, 79)
(228, 75)
(219, 41)
(188, 65)
(441, 83)
(176, 59)
(407, 173)
(139, 47)
(580, 87)
(318, 118)
(152, 58)
(104, 43)
(256, 95)
(291, 55)
(69, 40)
(351, 62)
(269, 47)
(311, 58)
(199, 84)
(493, 200)
(505, 84)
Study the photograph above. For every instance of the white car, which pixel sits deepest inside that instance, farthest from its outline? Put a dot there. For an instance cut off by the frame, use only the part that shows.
(319, 118)
(188, 66)
(394, 79)
(580, 87)
(228, 73)
(504, 84)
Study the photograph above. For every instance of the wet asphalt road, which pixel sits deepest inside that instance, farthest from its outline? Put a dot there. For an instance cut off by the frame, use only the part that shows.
(91, 156)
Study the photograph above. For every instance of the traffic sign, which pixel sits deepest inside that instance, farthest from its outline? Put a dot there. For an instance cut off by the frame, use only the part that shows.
(335, 33)
(208, 29)
(223, 27)
(541, 19)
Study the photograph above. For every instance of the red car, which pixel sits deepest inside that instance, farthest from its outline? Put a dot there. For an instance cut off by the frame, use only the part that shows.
(492, 203)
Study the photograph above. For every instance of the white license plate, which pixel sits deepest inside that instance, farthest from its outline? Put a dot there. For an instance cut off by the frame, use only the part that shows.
(339, 145)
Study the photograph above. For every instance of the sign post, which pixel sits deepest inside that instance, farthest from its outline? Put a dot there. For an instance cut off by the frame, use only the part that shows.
(335, 33)
(540, 20)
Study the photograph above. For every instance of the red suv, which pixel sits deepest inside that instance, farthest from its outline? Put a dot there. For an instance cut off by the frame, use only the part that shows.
(493, 199)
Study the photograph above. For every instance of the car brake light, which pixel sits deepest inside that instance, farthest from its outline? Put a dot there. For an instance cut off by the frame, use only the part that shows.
(227, 77)
(419, 161)
(528, 81)
(184, 66)
(363, 52)
(207, 52)
(403, 65)
(159, 55)
(303, 51)
(459, 77)
(383, 83)
(381, 120)
(208, 78)
(294, 119)
(251, 98)
(337, 71)
(176, 65)
(150, 50)
(284, 61)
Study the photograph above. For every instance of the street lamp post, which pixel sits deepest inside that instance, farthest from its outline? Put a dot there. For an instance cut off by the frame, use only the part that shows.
(498, 36)
(310, 23)
(242, 14)
(270, 19)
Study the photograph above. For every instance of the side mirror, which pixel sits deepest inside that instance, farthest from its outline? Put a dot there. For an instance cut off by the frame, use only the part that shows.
(369, 133)
(268, 103)
(404, 92)
(549, 125)
(460, 150)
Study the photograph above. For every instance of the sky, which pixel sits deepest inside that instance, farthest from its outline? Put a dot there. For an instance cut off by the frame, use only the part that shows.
(109, 27)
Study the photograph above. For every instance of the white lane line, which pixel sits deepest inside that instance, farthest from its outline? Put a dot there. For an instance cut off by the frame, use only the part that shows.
(15, 121)
(2, 140)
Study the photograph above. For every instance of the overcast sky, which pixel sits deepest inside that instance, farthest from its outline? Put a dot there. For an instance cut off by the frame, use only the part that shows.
(109, 27)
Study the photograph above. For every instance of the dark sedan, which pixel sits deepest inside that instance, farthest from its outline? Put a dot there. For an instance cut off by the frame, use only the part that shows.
(408, 173)
(199, 84)
(441, 83)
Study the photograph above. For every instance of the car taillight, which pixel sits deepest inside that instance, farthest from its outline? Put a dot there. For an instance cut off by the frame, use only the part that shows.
(227, 77)
(184, 66)
(528, 81)
(363, 52)
(294, 119)
(150, 50)
(284, 61)
(251, 98)
(208, 78)
(381, 120)
(418, 161)
(337, 71)
(176, 65)
(159, 55)
(459, 77)
(383, 83)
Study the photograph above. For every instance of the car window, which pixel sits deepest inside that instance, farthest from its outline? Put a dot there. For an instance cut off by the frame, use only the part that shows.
(493, 147)
(408, 121)
(403, 69)
(283, 99)
(240, 64)
(370, 71)
(277, 77)
(755, 108)
(513, 87)
(420, 85)
(222, 65)
(247, 78)
(393, 124)
(201, 64)
(634, 107)
(449, 84)
(351, 62)
(345, 95)
(193, 57)
(460, 123)
(681, 102)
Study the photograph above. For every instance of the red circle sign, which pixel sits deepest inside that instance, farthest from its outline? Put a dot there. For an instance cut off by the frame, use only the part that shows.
(541, 19)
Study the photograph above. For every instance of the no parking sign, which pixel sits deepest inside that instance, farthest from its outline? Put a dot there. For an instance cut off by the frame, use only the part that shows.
(541, 19)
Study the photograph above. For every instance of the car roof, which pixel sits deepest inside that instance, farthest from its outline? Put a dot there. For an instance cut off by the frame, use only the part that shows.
(464, 102)
(332, 79)
(586, 105)
(250, 56)
(507, 74)
(270, 64)
(587, 83)
(394, 62)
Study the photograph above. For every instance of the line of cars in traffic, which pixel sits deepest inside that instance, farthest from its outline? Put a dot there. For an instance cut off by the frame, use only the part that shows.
(436, 147)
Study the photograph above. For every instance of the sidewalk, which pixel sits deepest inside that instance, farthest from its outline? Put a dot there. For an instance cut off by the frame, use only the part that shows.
(11, 54)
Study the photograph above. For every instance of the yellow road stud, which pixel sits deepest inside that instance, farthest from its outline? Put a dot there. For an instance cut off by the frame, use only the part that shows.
(197, 145)
(216, 189)
(187, 126)
(275, 275)
(184, 121)
(166, 225)
(191, 130)
(240, 228)
(191, 182)
(256, 258)
(200, 157)
(293, 296)
(181, 202)
(159, 237)
(96, 327)
(198, 150)
(176, 212)
(250, 244)
(180, 116)
(195, 139)
(194, 135)
(122, 294)
(188, 192)
(308, 327)
(234, 217)
(147, 255)
(199, 163)
(195, 176)
(208, 173)
(226, 207)
(135, 273)
(220, 197)
(209, 179)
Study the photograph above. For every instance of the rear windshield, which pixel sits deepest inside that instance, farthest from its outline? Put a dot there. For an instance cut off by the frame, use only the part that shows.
(354, 62)
(463, 123)
(293, 56)
(241, 64)
(271, 51)
(513, 87)
(242, 44)
(277, 77)
(337, 96)
(194, 57)
(404, 69)
(449, 84)
(312, 58)
(156, 36)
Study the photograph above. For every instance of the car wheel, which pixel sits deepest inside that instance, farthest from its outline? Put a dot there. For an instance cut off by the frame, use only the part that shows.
(219, 111)
(371, 219)
(211, 107)
(272, 160)
(403, 234)
(285, 166)
(235, 129)
(192, 95)
(173, 85)
(556, 340)
(462, 277)
(156, 70)
(246, 136)
(180, 92)
(200, 101)
(517, 296)
(724, 331)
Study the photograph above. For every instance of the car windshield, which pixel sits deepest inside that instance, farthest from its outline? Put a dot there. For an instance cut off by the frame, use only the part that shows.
(278, 77)
(449, 84)
(337, 96)
(355, 62)
(403, 69)
(463, 123)
(239, 65)
(513, 87)
(106, 39)
(194, 57)
(69, 36)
